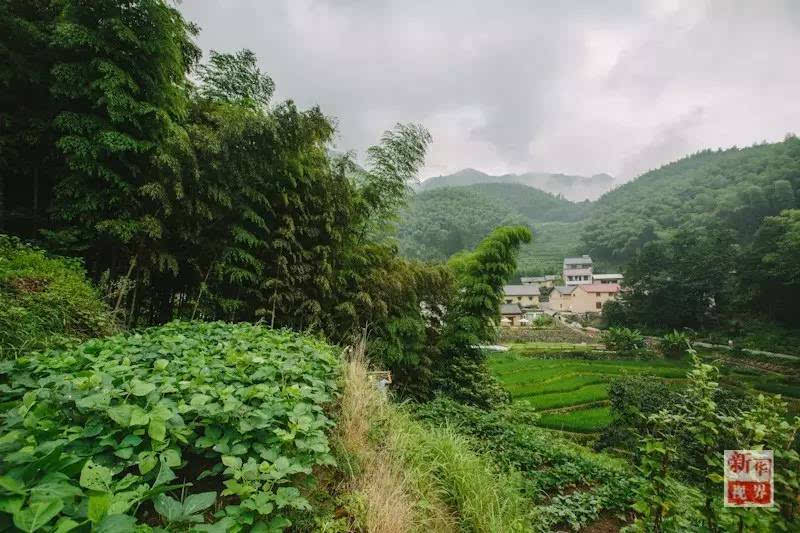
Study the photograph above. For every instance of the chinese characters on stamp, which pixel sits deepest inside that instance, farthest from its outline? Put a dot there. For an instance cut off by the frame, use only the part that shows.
(748, 478)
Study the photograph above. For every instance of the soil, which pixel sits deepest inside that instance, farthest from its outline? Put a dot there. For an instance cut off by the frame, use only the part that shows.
(28, 285)
(606, 524)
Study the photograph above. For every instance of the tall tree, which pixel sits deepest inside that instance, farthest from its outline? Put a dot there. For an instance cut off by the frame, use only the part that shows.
(120, 79)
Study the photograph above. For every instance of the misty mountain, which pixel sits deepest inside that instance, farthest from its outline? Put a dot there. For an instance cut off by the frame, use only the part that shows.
(574, 188)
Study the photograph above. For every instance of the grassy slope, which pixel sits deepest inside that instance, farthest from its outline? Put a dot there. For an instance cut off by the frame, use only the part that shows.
(404, 476)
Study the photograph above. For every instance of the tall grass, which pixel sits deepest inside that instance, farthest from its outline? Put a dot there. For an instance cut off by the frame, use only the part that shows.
(407, 477)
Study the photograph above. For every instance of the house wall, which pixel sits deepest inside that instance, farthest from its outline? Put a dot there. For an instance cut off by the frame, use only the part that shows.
(559, 302)
(523, 301)
(587, 302)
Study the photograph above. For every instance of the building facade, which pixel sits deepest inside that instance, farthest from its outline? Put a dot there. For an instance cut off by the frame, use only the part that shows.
(577, 270)
(522, 295)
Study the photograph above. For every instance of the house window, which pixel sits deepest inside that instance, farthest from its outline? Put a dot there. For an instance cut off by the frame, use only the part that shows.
(598, 305)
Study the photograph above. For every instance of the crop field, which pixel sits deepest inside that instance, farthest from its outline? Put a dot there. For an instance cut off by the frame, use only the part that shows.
(572, 394)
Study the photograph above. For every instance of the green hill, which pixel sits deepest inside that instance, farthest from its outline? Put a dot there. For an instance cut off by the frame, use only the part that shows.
(734, 188)
(443, 221)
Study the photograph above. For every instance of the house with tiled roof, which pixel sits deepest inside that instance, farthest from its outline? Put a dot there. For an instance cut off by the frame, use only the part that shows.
(522, 295)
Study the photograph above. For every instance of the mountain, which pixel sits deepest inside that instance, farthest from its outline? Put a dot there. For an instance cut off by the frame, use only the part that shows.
(442, 221)
(575, 188)
(731, 189)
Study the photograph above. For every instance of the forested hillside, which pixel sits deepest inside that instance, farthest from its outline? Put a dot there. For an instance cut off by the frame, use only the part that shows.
(575, 188)
(441, 222)
(734, 188)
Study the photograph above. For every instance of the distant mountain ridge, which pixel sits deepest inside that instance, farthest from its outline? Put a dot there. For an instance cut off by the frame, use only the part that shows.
(574, 188)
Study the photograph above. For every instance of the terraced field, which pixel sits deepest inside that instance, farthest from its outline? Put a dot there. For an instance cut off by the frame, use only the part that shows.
(571, 394)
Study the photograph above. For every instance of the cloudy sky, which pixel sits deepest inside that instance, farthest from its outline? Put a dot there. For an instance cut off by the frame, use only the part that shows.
(582, 86)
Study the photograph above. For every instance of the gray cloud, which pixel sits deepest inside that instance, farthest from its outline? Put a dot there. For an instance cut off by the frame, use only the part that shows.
(576, 87)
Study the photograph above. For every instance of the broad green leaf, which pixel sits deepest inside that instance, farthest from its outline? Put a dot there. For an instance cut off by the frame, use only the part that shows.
(124, 453)
(96, 477)
(10, 484)
(65, 524)
(171, 457)
(221, 526)
(165, 475)
(139, 416)
(130, 441)
(116, 523)
(199, 400)
(121, 414)
(231, 461)
(99, 502)
(11, 504)
(195, 503)
(38, 514)
(158, 422)
(141, 388)
(147, 461)
(170, 508)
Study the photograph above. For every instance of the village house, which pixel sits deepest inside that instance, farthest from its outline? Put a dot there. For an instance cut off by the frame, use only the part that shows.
(577, 270)
(522, 295)
(540, 281)
(560, 298)
(510, 315)
(583, 298)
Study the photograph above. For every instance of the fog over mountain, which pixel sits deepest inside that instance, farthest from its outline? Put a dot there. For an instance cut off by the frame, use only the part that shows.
(575, 188)
(576, 87)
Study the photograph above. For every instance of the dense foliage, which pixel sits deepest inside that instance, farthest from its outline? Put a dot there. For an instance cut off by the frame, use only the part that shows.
(155, 427)
(45, 300)
(737, 187)
(683, 440)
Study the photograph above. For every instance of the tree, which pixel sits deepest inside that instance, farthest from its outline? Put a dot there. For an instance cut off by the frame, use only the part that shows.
(235, 78)
(771, 266)
(683, 281)
(120, 80)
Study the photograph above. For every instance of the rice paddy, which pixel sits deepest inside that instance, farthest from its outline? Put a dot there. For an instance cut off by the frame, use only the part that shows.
(572, 394)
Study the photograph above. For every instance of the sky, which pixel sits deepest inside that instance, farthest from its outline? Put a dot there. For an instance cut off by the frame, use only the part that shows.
(575, 86)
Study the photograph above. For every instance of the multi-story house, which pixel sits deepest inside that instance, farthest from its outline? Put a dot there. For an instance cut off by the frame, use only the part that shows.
(577, 270)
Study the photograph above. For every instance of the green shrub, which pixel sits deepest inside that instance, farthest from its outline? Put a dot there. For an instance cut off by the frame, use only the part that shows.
(674, 345)
(183, 416)
(623, 340)
(45, 300)
(633, 399)
(542, 321)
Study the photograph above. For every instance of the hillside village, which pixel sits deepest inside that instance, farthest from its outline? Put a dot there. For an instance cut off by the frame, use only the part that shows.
(577, 291)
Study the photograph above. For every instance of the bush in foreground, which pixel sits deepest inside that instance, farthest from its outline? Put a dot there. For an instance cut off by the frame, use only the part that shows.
(189, 423)
(44, 300)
